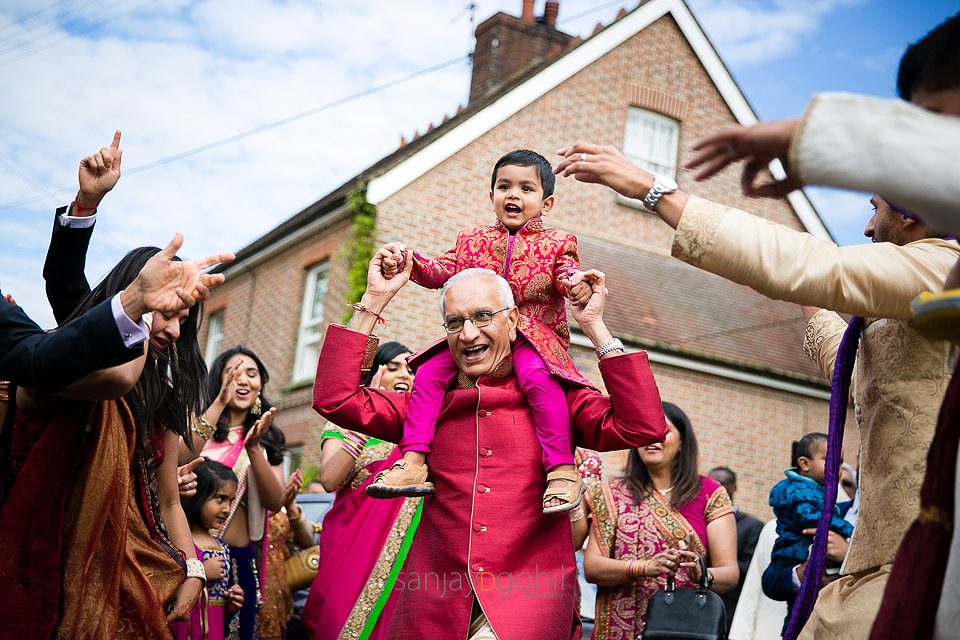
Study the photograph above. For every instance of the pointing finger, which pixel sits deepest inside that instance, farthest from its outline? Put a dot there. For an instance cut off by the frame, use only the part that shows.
(116, 140)
(190, 466)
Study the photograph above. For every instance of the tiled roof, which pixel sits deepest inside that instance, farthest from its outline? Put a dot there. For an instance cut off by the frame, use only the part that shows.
(711, 318)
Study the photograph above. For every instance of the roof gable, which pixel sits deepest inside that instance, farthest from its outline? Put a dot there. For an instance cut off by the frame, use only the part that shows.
(463, 132)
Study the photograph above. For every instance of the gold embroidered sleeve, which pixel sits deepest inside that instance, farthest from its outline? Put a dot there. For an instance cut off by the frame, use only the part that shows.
(719, 504)
(821, 339)
(697, 230)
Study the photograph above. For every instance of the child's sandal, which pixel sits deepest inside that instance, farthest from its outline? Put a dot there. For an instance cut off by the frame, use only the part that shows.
(937, 315)
(402, 480)
(570, 493)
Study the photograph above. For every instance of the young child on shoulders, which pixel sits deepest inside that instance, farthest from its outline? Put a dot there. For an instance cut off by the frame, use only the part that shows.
(206, 511)
(543, 268)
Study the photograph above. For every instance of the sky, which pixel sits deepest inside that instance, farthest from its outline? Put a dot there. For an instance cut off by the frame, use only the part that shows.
(178, 75)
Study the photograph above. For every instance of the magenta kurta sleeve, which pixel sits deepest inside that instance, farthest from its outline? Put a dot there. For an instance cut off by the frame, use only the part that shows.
(631, 416)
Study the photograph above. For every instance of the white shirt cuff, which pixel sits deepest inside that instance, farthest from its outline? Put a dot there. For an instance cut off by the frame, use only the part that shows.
(796, 578)
(76, 222)
(133, 333)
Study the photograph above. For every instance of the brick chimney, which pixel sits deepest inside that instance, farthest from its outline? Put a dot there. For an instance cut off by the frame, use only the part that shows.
(506, 45)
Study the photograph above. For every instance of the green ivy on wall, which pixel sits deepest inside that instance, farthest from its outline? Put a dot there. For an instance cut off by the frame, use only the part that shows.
(360, 248)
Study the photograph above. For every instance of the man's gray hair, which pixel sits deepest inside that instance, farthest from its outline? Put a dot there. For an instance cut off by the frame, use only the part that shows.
(503, 287)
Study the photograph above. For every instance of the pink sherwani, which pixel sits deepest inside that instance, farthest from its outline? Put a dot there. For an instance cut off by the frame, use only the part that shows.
(483, 532)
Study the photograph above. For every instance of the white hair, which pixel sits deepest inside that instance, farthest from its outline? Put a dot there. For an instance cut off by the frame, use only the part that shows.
(503, 287)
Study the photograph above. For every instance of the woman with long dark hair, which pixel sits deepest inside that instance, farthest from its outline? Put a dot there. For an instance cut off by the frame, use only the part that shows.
(236, 428)
(654, 522)
(364, 541)
(105, 545)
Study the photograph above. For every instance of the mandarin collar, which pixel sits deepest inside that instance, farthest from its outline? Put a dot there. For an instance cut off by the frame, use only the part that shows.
(533, 225)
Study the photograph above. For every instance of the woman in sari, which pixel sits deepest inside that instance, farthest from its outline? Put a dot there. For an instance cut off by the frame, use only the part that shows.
(236, 430)
(653, 522)
(93, 541)
(364, 542)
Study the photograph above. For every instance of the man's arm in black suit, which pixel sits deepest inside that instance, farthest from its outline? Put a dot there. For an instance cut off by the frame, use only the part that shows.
(63, 270)
(48, 362)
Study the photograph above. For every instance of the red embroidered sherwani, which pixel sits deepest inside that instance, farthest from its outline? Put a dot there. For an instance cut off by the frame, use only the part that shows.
(535, 261)
(483, 532)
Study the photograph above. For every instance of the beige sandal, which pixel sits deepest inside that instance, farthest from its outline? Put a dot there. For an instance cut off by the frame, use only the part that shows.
(402, 480)
(570, 494)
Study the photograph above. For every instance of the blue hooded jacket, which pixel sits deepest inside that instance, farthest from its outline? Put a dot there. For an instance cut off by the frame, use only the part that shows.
(797, 502)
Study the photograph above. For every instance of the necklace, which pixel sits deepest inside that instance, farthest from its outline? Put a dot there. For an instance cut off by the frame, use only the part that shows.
(664, 492)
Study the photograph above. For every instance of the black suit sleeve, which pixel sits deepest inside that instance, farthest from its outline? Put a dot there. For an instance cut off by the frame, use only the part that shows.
(63, 270)
(748, 532)
(48, 362)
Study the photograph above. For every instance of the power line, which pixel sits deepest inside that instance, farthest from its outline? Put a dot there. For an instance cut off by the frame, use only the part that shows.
(53, 20)
(265, 127)
(79, 32)
(289, 119)
(33, 14)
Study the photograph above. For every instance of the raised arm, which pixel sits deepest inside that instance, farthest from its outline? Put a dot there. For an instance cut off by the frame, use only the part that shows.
(432, 273)
(337, 393)
(63, 269)
(632, 415)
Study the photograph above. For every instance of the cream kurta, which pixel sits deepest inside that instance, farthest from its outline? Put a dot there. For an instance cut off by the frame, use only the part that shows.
(900, 376)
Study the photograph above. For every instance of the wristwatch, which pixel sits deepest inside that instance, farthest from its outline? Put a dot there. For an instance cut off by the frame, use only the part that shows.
(662, 185)
(709, 579)
(607, 347)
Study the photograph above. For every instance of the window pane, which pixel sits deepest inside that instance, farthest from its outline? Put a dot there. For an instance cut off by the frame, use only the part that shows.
(214, 337)
(311, 322)
(651, 141)
(319, 295)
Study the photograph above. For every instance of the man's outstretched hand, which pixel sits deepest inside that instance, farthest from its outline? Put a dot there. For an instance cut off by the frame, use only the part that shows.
(757, 146)
(168, 286)
(98, 174)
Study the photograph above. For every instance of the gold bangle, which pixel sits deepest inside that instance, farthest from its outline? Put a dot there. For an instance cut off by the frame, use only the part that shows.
(203, 428)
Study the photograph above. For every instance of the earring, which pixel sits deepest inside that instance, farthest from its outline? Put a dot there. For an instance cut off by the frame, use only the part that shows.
(257, 407)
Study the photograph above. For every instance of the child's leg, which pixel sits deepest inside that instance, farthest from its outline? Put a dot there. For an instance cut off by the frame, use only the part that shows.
(409, 477)
(432, 380)
(548, 404)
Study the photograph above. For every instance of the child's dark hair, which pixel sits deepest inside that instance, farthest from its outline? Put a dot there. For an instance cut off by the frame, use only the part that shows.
(933, 62)
(805, 446)
(211, 475)
(526, 158)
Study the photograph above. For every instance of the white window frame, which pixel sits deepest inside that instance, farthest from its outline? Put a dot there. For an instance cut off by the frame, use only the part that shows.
(647, 161)
(309, 333)
(214, 338)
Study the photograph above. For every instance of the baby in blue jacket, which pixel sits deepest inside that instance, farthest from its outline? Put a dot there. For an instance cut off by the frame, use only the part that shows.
(797, 501)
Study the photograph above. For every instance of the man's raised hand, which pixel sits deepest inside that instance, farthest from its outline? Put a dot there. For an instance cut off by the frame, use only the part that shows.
(378, 284)
(168, 285)
(758, 145)
(99, 173)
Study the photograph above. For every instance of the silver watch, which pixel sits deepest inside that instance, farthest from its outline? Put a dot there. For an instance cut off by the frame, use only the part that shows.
(607, 347)
(662, 185)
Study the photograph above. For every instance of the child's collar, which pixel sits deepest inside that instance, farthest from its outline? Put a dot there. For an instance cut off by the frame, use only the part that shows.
(533, 225)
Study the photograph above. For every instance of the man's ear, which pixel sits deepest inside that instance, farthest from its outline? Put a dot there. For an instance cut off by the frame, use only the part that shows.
(514, 318)
(548, 203)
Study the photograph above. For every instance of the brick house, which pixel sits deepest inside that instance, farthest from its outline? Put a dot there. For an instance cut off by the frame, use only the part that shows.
(649, 83)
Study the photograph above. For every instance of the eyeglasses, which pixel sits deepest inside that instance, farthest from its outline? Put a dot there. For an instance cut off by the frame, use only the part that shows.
(480, 319)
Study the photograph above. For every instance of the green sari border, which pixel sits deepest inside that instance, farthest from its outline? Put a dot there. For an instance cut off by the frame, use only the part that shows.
(339, 436)
(394, 574)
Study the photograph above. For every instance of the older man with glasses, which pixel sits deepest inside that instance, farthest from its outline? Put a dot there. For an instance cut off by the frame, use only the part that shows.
(486, 562)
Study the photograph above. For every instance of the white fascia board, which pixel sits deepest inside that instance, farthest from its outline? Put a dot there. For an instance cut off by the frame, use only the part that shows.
(714, 369)
(382, 187)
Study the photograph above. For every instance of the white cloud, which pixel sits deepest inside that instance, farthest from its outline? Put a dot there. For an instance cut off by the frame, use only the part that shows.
(750, 32)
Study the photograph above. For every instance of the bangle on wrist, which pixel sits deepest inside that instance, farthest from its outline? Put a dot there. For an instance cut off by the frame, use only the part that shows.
(611, 345)
(195, 569)
(202, 428)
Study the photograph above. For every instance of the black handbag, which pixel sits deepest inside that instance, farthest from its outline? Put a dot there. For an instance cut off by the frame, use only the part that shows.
(686, 614)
